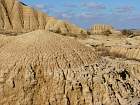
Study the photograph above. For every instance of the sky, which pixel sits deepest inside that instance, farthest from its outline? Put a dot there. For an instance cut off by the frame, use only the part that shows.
(85, 13)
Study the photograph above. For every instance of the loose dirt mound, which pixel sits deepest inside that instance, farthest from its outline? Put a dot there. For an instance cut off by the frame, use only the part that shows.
(18, 17)
(43, 68)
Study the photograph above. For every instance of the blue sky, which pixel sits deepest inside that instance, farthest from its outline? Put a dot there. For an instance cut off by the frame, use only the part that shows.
(119, 13)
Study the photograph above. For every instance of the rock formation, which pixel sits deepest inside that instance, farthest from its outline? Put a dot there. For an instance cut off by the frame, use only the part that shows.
(43, 68)
(100, 28)
(18, 17)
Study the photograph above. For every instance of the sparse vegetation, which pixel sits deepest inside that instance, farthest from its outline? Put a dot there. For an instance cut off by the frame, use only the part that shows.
(10, 33)
(82, 32)
(107, 32)
(58, 31)
(88, 32)
(127, 32)
(82, 36)
(72, 35)
(102, 50)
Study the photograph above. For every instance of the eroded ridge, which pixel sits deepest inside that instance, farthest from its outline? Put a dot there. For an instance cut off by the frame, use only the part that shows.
(18, 17)
(129, 52)
(41, 68)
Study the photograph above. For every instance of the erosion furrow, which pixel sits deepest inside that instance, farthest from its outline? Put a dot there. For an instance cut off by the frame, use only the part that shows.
(43, 68)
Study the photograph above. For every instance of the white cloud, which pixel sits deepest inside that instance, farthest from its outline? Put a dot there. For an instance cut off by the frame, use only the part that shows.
(125, 9)
(94, 6)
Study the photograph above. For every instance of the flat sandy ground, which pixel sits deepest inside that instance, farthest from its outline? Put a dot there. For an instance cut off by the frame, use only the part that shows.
(111, 40)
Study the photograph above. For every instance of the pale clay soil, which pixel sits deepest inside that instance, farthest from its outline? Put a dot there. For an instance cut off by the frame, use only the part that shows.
(43, 68)
(39, 67)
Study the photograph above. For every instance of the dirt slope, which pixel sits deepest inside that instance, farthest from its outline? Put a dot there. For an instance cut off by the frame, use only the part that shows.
(43, 68)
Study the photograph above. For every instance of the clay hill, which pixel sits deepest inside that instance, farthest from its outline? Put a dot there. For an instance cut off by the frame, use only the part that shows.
(45, 68)
(16, 16)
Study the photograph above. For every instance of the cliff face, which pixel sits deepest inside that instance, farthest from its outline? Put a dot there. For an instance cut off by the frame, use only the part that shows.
(100, 28)
(18, 17)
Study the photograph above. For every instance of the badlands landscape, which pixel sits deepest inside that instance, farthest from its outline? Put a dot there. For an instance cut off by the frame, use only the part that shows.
(47, 61)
